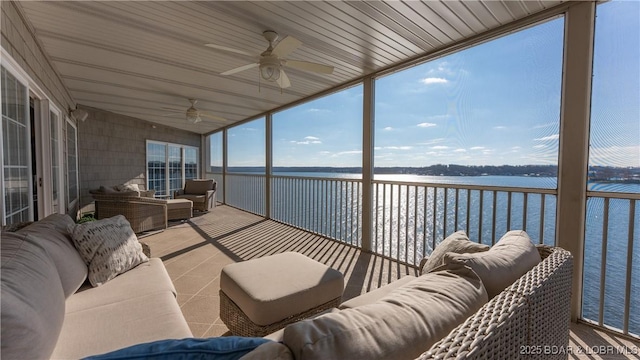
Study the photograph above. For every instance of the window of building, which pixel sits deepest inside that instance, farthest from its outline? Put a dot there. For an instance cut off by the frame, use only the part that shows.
(169, 165)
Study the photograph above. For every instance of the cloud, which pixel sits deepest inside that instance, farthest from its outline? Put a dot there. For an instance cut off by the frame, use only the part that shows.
(439, 147)
(548, 138)
(621, 156)
(324, 152)
(426, 125)
(459, 150)
(350, 152)
(308, 140)
(516, 148)
(434, 80)
(541, 126)
(388, 128)
(477, 148)
(539, 146)
(397, 148)
(438, 117)
(499, 127)
(431, 142)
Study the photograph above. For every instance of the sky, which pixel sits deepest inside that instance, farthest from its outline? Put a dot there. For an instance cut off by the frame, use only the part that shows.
(493, 104)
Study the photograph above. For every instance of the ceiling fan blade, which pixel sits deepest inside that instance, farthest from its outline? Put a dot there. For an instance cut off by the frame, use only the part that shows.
(309, 66)
(238, 69)
(224, 48)
(212, 117)
(286, 46)
(283, 80)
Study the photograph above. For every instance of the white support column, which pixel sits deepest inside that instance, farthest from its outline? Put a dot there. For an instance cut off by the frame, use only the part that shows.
(367, 161)
(574, 140)
(268, 165)
(225, 157)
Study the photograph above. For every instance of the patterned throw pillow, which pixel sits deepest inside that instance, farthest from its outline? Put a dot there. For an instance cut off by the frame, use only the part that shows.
(109, 247)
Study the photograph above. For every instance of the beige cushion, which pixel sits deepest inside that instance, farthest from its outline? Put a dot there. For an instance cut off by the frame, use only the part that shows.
(32, 300)
(52, 234)
(147, 278)
(504, 263)
(173, 204)
(198, 187)
(401, 325)
(128, 322)
(269, 351)
(377, 294)
(108, 246)
(458, 242)
(272, 288)
(127, 187)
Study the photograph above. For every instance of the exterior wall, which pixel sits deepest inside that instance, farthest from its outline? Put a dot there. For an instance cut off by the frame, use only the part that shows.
(19, 40)
(112, 150)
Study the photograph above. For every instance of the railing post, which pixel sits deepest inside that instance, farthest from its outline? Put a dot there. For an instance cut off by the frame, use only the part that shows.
(367, 161)
(225, 163)
(574, 140)
(268, 165)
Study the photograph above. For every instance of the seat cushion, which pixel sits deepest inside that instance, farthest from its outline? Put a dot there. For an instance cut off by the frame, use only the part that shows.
(193, 198)
(504, 263)
(272, 288)
(52, 234)
(180, 203)
(120, 324)
(32, 300)
(377, 294)
(145, 279)
(458, 242)
(401, 325)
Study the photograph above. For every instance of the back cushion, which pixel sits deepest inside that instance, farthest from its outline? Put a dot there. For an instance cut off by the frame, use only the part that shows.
(32, 302)
(503, 264)
(458, 242)
(198, 187)
(51, 233)
(401, 325)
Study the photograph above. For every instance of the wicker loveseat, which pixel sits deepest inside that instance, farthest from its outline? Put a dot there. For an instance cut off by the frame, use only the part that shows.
(143, 213)
(529, 319)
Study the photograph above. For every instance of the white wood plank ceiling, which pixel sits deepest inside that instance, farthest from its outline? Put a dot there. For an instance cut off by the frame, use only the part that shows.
(136, 58)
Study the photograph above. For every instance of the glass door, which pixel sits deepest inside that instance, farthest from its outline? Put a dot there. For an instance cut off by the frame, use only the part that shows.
(16, 151)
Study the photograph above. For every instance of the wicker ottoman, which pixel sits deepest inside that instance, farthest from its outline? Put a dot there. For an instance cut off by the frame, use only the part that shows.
(260, 296)
(179, 209)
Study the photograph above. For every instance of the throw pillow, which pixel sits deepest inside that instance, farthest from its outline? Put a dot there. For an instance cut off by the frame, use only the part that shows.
(503, 264)
(127, 187)
(218, 348)
(109, 247)
(458, 242)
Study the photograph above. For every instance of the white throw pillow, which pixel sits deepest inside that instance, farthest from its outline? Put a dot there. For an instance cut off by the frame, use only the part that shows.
(109, 247)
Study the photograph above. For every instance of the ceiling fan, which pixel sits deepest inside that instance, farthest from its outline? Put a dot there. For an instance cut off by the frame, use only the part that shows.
(194, 115)
(272, 60)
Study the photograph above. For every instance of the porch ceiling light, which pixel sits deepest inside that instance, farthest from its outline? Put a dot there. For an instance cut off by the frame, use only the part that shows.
(270, 68)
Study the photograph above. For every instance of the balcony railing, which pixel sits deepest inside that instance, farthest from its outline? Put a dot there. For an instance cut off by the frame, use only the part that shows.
(409, 219)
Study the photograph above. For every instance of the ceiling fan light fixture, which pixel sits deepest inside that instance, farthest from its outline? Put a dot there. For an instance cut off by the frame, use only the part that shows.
(270, 68)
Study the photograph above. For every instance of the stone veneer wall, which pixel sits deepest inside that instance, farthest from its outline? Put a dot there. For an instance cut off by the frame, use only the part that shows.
(112, 149)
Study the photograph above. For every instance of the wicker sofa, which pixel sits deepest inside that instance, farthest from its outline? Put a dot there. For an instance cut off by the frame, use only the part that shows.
(143, 213)
(527, 320)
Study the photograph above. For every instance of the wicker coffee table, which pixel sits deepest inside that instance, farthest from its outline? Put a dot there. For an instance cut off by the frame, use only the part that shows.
(260, 296)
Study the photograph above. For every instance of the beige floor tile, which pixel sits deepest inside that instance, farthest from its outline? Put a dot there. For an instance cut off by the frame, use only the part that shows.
(198, 329)
(191, 285)
(217, 330)
(202, 309)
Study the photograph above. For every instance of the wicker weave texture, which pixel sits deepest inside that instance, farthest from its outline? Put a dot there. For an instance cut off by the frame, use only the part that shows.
(240, 325)
(142, 213)
(532, 314)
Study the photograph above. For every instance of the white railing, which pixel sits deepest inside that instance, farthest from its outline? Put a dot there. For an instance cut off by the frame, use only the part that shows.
(611, 283)
(329, 207)
(246, 192)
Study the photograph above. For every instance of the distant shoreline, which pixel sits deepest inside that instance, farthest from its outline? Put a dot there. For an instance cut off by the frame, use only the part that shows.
(627, 175)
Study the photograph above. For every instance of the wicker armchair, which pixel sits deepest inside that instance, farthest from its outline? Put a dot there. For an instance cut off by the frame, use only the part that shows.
(201, 192)
(143, 213)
